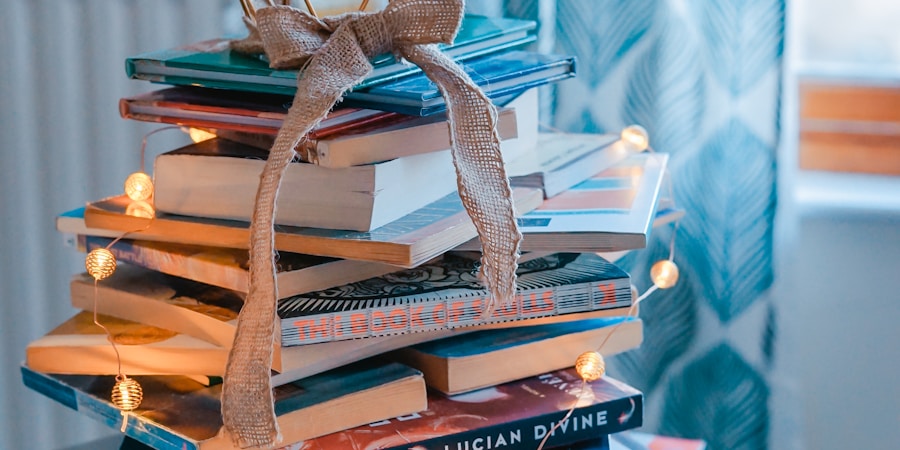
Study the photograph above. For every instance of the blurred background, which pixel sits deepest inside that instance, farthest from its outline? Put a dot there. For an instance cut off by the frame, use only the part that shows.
(829, 308)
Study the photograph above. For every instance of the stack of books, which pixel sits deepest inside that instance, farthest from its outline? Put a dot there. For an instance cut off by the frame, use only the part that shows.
(382, 343)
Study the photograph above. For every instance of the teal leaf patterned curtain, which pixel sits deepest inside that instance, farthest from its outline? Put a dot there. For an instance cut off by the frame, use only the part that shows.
(703, 77)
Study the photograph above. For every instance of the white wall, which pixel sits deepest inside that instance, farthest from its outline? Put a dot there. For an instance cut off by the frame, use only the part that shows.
(63, 143)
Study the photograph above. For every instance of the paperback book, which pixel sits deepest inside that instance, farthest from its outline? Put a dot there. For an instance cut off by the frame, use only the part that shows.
(218, 179)
(441, 295)
(407, 242)
(346, 137)
(178, 413)
(79, 346)
(402, 135)
(213, 64)
(207, 315)
(612, 211)
(489, 357)
(512, 416)
(229, 268)
(560, 161)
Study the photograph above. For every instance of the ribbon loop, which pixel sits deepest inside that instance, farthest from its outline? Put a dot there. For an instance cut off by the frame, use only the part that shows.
(334, 53)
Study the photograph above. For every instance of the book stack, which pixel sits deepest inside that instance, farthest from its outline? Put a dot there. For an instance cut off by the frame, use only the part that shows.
(381, 339)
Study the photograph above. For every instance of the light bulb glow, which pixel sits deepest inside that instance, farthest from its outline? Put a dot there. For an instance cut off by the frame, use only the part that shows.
(200, 135)
(127, 393)
(664, 274)
(635, 138)
(590, 366)
(139, 186)
(140, 209)
(100, 263)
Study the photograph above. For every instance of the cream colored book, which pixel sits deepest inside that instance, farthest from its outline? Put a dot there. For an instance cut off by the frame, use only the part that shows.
(79, 346)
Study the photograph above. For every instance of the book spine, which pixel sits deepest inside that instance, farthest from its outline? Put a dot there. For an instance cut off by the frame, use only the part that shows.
(136, 427)
(448, 313)
(585, 423)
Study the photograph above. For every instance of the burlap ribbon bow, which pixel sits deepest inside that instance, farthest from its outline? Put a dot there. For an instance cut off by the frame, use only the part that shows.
(334, 54)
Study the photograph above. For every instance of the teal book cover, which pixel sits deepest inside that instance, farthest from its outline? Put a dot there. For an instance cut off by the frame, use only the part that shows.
(213, 64)
(501, 76)
(178, 413)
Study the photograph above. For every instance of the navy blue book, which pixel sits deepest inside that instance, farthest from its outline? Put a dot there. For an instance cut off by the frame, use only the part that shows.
(463, 363)
(502, 76)
(178, 413)
(510, 416)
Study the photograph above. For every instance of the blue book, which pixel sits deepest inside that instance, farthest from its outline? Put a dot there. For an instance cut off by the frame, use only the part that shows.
(178, 413)
(213, 64)
(502, 76)
(485, 358)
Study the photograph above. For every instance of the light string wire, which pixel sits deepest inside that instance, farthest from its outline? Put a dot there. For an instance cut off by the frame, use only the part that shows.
(100, 264)
(631, 313)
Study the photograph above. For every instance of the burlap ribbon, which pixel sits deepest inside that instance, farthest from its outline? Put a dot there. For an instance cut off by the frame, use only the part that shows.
(334, 54)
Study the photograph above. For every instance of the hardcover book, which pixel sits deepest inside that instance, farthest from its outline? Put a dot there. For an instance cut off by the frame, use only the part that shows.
(229, 268)
(406, 242)
(501, 76)
(402, 135)
(178, 413)
(346, 137)
(251, 112)
(560, 161)
(511, 416)
(441, 295)
(612, 211)
(213, 64)
(489, 357)
(218, 179)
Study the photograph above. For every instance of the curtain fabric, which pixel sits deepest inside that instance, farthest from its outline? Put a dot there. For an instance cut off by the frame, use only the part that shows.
(703, 77)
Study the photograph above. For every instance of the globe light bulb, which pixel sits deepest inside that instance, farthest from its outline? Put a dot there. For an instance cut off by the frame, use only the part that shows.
(664, 274)
(590, 366)
(100, 263)
(139, 186)
(127, 393)
(635, 138)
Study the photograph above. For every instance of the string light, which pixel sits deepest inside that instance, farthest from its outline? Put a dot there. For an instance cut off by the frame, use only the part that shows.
(664, 274)
(139, 186)
(100, 263)
(127, 394)
(590, 365)
(635, 138)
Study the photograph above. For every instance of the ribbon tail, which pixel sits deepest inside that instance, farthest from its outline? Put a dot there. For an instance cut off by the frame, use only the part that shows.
(481, 176)
(248, 410)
